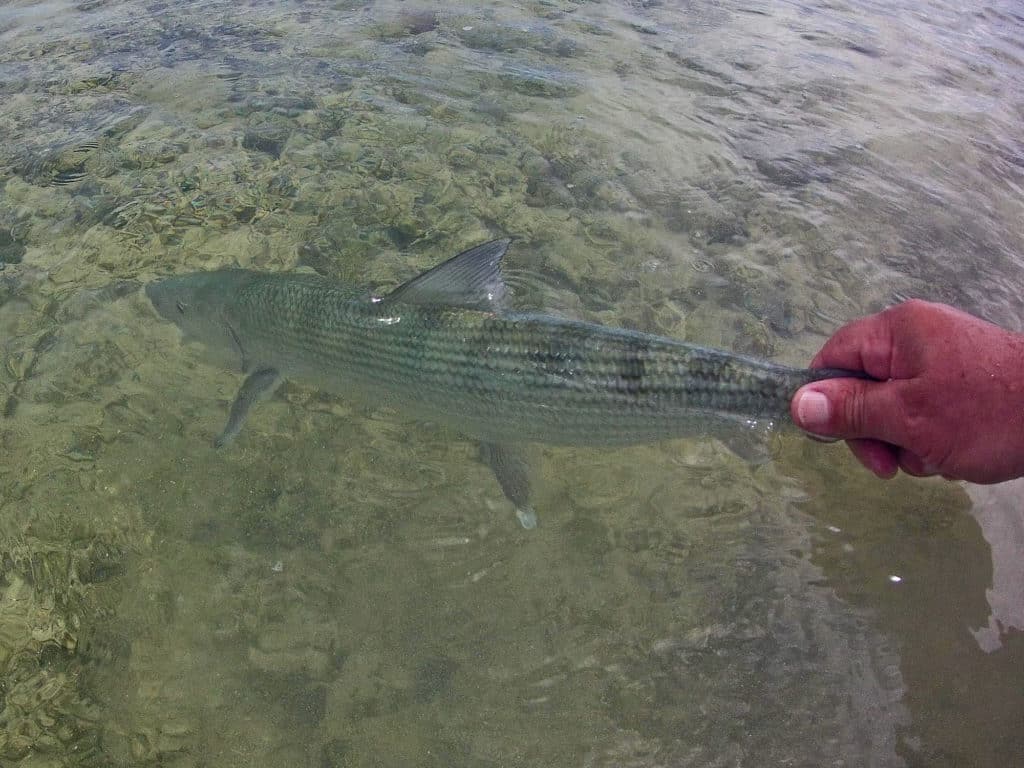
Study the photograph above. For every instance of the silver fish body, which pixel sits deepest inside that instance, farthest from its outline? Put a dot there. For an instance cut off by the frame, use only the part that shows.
(445, 348)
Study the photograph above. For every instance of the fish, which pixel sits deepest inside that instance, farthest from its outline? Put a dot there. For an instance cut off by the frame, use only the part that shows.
(448, 347)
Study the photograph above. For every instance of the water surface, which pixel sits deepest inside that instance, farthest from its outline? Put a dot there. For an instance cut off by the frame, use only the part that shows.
(342, 588)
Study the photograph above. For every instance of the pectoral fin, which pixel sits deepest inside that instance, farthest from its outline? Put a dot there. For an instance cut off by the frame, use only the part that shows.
(259, 384)
(512, 468)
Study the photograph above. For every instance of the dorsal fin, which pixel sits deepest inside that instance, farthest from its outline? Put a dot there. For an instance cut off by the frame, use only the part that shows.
(471, 280)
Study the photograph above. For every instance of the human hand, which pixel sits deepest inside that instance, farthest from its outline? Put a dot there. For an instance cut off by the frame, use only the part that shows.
(948, 397)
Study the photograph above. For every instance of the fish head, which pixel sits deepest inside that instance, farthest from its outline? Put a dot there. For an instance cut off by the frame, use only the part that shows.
(198, 304)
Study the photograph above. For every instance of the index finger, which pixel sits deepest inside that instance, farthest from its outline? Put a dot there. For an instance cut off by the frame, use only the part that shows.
(863, 345)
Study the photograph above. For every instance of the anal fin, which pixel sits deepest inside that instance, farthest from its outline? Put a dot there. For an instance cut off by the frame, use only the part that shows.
(749, 440)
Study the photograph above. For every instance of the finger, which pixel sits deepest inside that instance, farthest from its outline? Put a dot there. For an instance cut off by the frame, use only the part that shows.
(863, 345)
(851, 408)
(914, 465)
(880, 458)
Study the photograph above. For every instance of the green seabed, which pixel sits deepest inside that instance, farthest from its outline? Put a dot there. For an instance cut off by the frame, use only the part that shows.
(342, 588)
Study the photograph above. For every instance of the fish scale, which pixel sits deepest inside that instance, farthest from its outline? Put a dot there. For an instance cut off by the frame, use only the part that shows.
(445, 347)
(521, 377)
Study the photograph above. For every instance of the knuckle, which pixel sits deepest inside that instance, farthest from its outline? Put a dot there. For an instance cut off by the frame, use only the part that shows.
(910, 409)
(943, 456)
(853, 411)
(935, 448)
(916, 307)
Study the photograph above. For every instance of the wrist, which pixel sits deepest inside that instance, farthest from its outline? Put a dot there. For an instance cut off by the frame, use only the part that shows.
(1006, 371)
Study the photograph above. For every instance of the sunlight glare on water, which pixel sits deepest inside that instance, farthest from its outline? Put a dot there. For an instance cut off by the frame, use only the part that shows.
(344, 588)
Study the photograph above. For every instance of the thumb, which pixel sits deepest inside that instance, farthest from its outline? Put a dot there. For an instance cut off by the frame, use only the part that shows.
(847, 409)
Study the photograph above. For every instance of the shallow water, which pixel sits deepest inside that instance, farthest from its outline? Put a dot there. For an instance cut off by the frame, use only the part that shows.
(341, 588)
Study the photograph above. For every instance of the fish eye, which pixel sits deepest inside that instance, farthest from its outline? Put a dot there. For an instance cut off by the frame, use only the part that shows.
(181, 307)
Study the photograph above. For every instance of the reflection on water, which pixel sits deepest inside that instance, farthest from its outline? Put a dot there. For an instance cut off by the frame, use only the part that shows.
(1000, 513)
(341, 588)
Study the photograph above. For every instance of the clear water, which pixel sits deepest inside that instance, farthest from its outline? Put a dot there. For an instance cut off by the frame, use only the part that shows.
(341, 588)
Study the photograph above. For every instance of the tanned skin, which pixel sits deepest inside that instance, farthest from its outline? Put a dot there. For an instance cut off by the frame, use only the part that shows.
(948, 400)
